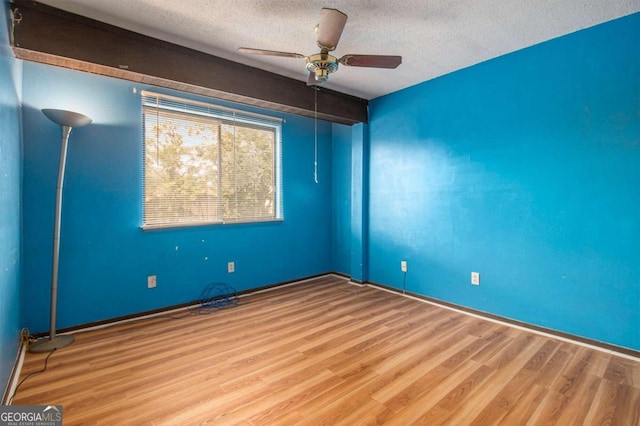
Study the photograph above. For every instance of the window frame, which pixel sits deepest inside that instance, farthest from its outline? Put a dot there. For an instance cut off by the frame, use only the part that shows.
(225, 116)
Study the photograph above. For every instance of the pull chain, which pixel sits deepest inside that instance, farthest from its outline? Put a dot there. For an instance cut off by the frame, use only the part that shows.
(315, 133)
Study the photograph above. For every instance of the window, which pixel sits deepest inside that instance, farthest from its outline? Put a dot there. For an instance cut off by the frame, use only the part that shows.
(208, 164)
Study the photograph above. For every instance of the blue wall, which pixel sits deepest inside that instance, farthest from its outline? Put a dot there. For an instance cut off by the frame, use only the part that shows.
(341, 195)
(10, 232)
(105, 258)
(359, 202)
(525, 168)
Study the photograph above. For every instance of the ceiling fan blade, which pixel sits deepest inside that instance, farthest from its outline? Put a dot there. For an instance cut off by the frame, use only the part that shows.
(251, 51)
(330, 28)
(372, 61)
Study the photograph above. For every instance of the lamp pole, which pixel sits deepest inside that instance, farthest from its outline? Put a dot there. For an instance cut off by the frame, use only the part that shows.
(67, 120)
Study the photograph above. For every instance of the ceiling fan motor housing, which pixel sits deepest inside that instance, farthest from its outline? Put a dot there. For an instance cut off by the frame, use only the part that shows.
(321, 65)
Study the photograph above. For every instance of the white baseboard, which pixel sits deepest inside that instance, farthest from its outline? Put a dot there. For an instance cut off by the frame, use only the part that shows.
(505, 323)
(15, 375)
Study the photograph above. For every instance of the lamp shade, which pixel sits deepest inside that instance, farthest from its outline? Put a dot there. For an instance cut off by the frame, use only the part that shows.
(66, 118)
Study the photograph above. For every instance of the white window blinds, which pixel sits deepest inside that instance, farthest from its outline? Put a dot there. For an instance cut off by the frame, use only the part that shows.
(208, 164)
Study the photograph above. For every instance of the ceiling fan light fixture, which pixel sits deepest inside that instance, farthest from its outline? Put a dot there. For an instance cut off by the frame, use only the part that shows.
(321, 75)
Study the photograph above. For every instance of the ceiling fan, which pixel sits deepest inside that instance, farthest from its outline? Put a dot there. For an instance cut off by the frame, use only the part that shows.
(320, 65)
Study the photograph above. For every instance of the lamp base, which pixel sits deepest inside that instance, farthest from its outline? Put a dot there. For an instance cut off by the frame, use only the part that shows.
(47, 345)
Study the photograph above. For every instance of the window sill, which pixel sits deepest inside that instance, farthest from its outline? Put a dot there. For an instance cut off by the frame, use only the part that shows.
(201, 224)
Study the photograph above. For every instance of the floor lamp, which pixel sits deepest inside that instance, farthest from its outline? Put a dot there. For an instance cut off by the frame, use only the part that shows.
(68, 120)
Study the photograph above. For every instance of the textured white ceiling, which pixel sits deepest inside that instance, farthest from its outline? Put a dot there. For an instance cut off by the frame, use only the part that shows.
(434, 37)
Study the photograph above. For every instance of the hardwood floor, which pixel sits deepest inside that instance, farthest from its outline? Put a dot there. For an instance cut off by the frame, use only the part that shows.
(325, 353)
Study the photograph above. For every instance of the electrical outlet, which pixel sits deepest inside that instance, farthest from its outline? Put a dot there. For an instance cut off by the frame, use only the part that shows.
(151, 281)
(231, 267)
(403, 265)
(475, 278)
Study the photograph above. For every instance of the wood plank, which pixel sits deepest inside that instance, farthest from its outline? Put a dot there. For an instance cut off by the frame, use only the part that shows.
(604, 406)
(627, 406)
(314, 353)
(516, 358)
(506, 399)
